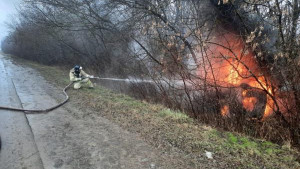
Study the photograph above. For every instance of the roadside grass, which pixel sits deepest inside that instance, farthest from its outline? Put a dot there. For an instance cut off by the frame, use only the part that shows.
(171, 130)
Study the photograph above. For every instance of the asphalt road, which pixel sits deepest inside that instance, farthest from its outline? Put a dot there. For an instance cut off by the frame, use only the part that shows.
(19, 149)
(61, 138)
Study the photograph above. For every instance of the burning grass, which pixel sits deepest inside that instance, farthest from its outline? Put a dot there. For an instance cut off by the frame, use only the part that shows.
(173, 132)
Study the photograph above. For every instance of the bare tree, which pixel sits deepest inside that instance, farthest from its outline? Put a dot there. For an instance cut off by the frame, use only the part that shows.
(230, 63)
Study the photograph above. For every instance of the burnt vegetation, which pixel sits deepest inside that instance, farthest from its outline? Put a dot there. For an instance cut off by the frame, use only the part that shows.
(233, 64)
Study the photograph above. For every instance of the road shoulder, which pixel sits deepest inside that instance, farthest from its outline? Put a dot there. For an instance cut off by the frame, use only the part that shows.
(180, 141)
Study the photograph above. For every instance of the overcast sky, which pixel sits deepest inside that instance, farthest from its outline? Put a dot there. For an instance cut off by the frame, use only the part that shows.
(7, 9)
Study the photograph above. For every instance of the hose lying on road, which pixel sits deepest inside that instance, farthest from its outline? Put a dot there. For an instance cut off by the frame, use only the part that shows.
(31, 111)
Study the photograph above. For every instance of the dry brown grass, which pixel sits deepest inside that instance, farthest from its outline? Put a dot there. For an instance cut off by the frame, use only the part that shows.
(174, 132)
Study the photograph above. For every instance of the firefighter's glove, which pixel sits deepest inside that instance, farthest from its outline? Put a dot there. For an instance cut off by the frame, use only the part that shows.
(78, 79)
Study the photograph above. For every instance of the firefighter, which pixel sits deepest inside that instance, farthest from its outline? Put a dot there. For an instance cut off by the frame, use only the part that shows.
(80, 78)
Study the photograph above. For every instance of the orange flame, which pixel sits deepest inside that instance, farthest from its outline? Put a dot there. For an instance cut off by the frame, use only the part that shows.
(225, 110)
(233, 65)
(262, 84)
(249, 103)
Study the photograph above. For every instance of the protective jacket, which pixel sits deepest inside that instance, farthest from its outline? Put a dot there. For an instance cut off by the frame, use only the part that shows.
(73, 76)
(81, 79)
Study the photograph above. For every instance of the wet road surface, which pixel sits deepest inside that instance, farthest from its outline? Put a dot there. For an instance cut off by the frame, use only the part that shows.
(61, 138)
(18, 147)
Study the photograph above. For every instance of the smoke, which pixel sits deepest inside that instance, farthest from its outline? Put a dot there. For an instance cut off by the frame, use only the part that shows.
(236, 19)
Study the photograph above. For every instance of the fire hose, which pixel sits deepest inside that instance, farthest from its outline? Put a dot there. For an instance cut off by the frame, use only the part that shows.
(31, 111)
(34, 111)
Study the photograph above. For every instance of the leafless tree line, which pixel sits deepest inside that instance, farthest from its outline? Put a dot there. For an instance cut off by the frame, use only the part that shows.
(203, 56)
